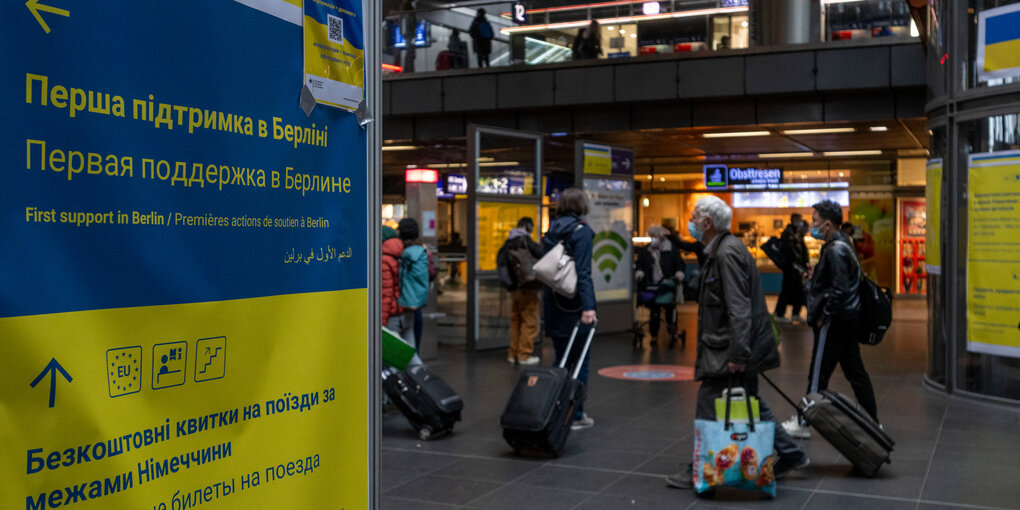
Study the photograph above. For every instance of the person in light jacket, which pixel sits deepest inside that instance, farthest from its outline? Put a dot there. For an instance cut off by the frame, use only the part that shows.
(414, 282)
(735, 339)
(562, 313)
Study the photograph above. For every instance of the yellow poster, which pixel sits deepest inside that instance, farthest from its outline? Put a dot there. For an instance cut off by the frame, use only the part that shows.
(993, 254)
(200, 404)
(495, 220)
(933, 234)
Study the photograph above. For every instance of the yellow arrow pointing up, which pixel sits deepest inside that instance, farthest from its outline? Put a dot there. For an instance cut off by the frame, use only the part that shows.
(35, 7)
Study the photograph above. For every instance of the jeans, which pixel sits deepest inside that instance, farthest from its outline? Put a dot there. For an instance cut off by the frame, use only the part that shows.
(712, 387)
(560, 345)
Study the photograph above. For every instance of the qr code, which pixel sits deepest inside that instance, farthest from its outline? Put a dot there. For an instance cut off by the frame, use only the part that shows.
(336, 29)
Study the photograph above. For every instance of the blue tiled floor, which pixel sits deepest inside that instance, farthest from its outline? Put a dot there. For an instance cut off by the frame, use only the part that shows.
(950, 453)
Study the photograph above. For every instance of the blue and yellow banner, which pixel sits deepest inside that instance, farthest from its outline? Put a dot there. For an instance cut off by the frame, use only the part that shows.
(998, 51)
(179, 240)
(334, 52)
(993, 254)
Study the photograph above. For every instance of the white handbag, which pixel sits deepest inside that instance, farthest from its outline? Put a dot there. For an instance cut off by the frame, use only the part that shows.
(557, 270)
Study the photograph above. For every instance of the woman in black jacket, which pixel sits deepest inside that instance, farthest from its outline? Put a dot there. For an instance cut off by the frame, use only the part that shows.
(562, 313)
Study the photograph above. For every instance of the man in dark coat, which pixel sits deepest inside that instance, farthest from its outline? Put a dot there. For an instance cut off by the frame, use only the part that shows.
(834, 306)
(481, 36)
(796, 256)
(735, 339)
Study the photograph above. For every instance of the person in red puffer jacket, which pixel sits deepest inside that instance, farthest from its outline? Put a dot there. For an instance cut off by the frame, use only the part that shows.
(392, 247)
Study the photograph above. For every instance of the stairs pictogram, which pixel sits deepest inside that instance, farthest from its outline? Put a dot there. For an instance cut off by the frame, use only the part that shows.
(207, 363)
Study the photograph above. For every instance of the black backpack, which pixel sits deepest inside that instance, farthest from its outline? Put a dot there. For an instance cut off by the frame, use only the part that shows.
(876, 311)
(876, 307)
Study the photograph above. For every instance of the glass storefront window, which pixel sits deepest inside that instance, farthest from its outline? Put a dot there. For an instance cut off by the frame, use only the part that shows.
(868, 19)
(506, 165)
(988, 360)
(995, 60)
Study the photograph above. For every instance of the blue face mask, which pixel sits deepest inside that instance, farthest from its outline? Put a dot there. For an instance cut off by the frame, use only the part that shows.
(693, 229)
(816, 233)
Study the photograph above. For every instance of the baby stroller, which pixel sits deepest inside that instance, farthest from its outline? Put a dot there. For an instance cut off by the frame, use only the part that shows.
(660, 296)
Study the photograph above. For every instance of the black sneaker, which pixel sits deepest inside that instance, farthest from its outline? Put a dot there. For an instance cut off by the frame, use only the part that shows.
(683, 480)
(787, 464)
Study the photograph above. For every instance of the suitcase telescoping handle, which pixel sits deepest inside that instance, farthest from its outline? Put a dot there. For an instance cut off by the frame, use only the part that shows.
(781, 393)
(584, 351)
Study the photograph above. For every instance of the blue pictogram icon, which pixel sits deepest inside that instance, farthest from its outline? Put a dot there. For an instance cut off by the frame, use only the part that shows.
(52, 368)
(210, 358)
(169, 365)
(124, 370)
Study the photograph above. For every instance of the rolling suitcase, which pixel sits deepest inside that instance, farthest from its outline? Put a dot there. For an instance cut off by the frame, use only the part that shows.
(841, 421)
(426, 401)
(542, 405)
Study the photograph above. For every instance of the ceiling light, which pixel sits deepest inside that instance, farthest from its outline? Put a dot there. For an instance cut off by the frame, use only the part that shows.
(743, 24)
(645, 202)
(633, 35)
(853, 153)
(662, 179)
(400, 147)
(786, 155)
(485, 159)
(818, 131)
(622, 31)
(841, 174)
(649, 177)
(500, 163)
(448, 165)
(878, 129)
(613, 21)
(650, 8)
(735, 134)
(802, 176)
(610, 28)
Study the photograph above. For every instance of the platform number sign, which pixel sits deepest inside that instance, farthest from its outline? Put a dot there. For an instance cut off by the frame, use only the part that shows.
(520, 14)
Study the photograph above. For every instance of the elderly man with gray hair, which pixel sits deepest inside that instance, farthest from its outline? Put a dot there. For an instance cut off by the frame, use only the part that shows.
(735, 339)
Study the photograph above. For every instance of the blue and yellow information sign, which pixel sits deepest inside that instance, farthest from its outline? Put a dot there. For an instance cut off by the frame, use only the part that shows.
(334, 52)
(998, 42)
(183, 300)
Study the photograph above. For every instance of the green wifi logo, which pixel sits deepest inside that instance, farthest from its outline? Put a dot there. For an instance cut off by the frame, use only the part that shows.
(609, 248)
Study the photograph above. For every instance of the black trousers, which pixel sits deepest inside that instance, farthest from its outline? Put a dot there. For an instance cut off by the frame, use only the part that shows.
(792, 293)
(656, 311)
(836, 343)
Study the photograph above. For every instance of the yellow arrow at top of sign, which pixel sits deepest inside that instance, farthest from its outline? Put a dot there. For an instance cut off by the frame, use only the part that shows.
(35, 7)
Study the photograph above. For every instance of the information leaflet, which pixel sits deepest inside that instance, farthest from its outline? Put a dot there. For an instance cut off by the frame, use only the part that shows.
(993, 263)
(179, 240)
(933, 195)
(334, 52)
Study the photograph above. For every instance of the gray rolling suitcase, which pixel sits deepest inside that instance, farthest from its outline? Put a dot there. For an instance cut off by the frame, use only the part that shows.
(841, 421)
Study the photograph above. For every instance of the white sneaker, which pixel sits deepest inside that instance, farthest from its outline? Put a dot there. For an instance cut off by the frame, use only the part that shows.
(511, 360)
(530, 360)
(794, 428)
(585, 422)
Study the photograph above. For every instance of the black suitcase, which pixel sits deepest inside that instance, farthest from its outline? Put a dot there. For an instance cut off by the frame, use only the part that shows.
(542, 405)
(425, 399)
(841, 421)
